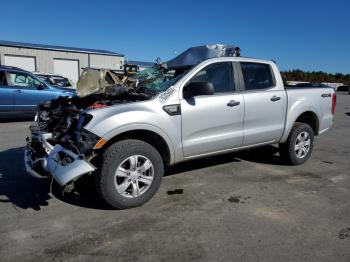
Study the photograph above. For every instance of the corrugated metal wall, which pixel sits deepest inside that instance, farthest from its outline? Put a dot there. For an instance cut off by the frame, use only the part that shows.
(103, 61)
(44, 58)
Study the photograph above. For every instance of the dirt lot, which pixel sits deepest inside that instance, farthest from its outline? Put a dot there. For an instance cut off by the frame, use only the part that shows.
(238, 207)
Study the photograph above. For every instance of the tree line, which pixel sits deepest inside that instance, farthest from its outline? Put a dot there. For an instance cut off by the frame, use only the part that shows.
(315, 76)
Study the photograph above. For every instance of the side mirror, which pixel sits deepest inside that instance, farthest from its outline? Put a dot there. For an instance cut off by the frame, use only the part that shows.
(41, 86)
(198, 88)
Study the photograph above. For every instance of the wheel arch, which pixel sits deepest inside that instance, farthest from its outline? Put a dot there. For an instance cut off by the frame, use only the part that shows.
(309, 117)
(155, 138)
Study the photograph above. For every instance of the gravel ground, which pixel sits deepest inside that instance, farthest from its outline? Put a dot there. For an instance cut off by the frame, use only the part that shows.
(245, 206)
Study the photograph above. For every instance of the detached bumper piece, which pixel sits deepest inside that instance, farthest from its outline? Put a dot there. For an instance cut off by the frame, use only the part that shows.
(42, 159)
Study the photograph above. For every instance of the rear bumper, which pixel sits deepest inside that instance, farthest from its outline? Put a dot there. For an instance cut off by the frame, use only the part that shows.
(62, 164)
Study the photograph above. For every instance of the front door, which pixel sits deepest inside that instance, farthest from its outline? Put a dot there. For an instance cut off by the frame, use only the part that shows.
(213, 123)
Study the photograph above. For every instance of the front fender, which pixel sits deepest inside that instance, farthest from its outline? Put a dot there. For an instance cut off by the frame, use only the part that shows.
(115, 120)
(147, 127)
(143, 126)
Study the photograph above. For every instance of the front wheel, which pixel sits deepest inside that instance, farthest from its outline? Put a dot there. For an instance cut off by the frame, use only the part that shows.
(130, 174)
(299, 145)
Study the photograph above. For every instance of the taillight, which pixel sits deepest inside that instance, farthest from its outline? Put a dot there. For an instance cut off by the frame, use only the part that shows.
(334, 102)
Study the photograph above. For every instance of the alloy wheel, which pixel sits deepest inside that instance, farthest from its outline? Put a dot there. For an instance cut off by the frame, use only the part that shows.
(134, 176)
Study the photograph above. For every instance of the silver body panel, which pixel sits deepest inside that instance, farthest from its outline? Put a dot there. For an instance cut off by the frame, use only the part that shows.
(206, 125)
(209, 125)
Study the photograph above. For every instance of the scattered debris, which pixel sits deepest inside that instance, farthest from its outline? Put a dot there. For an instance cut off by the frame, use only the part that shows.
(327, 162)
(175, 192)
(338, 178)
(238, 199)
(344, 233)
(235, 199)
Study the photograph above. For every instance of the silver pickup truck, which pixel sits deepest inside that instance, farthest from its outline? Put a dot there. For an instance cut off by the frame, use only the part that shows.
(200, 104)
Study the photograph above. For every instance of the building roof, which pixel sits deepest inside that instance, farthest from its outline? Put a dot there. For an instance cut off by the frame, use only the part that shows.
(141, 63)
(58, 48)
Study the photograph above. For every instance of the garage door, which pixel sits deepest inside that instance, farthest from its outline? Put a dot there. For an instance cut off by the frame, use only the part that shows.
(67, 68)
(24, 62)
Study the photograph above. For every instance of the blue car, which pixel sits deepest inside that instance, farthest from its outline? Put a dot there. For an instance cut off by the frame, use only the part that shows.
(21, 92)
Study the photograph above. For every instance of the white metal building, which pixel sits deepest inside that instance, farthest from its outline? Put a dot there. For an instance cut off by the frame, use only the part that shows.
(65, 61)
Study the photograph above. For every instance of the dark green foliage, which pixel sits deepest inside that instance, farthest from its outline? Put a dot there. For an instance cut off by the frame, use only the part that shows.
(315, 76)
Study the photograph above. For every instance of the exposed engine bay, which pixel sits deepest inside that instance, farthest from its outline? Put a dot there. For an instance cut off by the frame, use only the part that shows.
(97, 88)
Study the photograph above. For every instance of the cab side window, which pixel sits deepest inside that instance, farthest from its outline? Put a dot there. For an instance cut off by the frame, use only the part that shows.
(219, 74)
(23, 80)
(257, 76)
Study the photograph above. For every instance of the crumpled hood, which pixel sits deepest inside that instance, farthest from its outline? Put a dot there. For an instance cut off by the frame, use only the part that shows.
(98, 81)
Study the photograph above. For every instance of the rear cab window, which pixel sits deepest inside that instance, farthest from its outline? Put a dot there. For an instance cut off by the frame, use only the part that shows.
(257, 76)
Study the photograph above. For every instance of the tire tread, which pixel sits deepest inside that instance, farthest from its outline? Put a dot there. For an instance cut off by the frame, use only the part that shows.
(111, 153)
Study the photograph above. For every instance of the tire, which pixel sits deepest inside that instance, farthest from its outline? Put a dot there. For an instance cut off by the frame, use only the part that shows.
(123, 163)
(288, 150)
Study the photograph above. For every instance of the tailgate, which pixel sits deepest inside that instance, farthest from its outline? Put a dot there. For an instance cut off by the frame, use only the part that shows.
(328, 103)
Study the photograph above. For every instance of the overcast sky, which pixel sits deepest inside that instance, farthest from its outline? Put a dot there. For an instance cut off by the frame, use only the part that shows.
(310, 35)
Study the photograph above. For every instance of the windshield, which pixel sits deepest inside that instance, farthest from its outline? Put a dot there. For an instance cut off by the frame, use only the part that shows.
(157, 79)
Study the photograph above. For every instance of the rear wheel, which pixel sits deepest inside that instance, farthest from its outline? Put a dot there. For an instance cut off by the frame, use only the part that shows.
(299, 145)
(130, 174)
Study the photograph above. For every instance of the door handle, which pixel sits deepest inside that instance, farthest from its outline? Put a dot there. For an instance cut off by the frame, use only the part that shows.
(18, 91)
(233, 103)
(275, 98)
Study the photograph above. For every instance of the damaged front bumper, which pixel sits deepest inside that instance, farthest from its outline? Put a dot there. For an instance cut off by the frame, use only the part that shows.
(62, 164)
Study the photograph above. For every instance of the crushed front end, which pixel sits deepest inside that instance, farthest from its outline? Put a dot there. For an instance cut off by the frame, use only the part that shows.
(43, 158)
(59, 146)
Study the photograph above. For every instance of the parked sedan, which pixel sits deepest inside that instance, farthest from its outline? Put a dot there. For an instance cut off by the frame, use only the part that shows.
(21, 92)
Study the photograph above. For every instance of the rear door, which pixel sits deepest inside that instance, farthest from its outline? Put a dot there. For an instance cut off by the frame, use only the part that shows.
(6, 96)
(265, 104)
(327, 97)
(213, 123)
(28, 92)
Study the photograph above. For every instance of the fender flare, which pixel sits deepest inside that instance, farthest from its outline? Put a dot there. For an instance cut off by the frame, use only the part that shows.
(290, 126)
(147, 127)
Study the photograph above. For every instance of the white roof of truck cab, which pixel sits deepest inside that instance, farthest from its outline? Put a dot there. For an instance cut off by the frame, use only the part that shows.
(196, 55)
